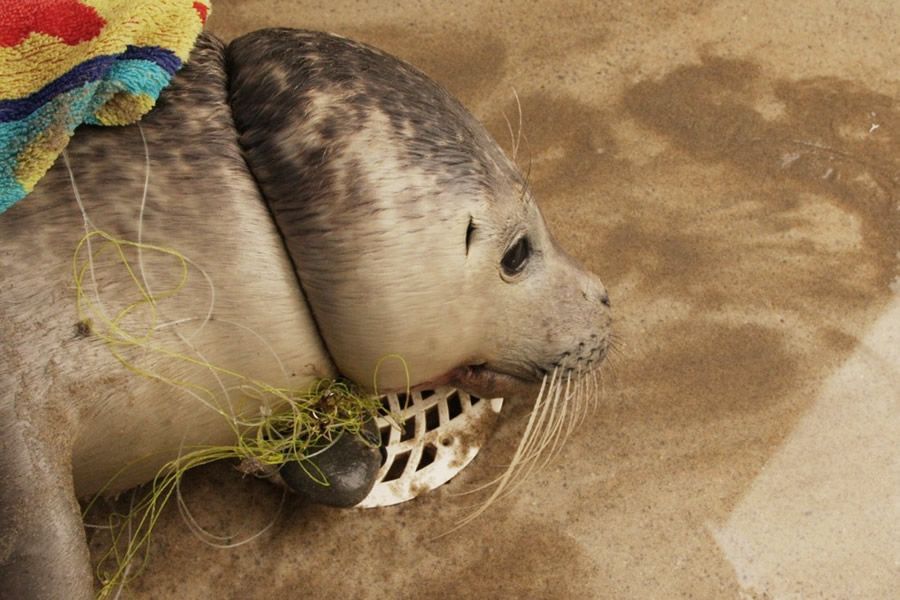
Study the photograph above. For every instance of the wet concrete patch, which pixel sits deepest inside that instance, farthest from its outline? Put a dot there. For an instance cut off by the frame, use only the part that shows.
(700, 371)
(828, 136)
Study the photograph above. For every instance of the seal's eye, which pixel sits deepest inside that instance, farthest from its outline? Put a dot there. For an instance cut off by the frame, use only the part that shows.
(515, 258)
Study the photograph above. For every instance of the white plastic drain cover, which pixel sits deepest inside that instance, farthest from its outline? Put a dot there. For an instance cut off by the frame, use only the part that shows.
(440, 432)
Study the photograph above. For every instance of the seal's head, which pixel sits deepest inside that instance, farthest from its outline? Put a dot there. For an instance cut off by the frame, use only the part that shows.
(410, 231)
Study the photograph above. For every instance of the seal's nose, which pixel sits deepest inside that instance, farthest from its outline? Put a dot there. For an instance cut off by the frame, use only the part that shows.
(592, 289)
(604, 299)
(595, 291)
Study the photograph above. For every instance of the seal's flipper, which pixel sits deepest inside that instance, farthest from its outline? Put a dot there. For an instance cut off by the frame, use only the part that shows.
(43, 553)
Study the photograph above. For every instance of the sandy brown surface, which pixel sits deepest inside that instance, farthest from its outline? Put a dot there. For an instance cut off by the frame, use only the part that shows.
(731, 170)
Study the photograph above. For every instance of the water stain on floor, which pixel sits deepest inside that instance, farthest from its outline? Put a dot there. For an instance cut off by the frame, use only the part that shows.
(826, 136)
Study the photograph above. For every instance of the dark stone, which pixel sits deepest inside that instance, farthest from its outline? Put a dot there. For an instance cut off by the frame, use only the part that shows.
(349, 466)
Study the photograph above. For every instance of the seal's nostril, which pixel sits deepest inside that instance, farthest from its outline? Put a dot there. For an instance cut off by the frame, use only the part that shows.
(599, 294)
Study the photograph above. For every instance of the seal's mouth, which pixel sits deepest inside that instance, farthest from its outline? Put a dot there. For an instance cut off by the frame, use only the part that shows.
(487, 381)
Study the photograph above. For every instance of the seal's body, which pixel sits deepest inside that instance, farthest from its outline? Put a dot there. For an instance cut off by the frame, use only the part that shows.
(344, 207)
(68, 410)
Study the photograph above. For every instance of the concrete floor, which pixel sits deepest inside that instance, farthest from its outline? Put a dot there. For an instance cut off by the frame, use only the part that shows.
(732, 171)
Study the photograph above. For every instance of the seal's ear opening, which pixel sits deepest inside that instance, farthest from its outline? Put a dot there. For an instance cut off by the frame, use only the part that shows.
(470, 231)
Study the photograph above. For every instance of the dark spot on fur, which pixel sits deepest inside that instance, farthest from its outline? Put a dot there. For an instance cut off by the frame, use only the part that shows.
(291, 142)
(83, 328)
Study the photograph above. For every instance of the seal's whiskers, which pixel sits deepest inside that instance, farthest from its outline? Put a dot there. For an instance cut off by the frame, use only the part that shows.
(515, 138)
(548, 441)
(501, 483)
(524, 452)
(562, 405)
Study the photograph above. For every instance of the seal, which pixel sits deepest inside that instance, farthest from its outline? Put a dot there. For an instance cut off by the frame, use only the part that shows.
(345, 207)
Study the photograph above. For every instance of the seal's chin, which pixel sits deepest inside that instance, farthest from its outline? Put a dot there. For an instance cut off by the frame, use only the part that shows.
(486, 382)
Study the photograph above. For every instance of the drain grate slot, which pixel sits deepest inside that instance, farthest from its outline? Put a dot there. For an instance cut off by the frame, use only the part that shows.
(432, 418)
(429, 453)
(409, 429)
(397, 467)
(454, 405)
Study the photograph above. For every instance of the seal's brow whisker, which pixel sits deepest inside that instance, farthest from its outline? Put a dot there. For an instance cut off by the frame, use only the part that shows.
(512, 137)
(519, 133)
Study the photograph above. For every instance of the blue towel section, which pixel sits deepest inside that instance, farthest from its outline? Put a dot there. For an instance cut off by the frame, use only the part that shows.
(71, 108)
(88, 71)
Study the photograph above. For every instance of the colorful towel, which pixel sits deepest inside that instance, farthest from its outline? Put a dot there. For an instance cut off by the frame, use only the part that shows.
(68, 62)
